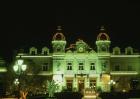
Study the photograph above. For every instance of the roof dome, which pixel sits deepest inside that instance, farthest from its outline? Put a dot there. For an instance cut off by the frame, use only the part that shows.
(59, 35)
(102, 35)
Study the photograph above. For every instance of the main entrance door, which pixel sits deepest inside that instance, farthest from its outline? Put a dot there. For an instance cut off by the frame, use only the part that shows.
(69, 85)
(81, 85)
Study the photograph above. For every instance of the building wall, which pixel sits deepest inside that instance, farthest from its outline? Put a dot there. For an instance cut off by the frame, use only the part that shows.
(106, 73)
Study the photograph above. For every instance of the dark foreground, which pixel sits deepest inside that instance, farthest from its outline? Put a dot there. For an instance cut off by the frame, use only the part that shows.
(77, 95)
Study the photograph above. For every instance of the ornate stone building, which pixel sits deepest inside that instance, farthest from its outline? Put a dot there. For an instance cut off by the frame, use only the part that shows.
(80, 66)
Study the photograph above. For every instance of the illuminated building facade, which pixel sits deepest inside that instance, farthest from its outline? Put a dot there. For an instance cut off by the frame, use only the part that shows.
(79, 66)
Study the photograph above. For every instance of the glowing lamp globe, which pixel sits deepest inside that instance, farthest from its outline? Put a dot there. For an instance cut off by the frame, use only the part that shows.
(15, 68)
(20, 62)
(23, 67)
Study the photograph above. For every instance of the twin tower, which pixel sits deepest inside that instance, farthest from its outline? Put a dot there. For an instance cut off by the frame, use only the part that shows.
(59, 43)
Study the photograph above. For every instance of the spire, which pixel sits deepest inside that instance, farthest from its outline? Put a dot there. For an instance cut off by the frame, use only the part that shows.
(59, 35)
(102, 34)
(59, 28)
(102, 28)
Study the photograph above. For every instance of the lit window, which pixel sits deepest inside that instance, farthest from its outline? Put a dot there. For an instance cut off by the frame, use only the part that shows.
(81, 66)
(45, 67)
(69, 66)
(92, 66)
(92, 83)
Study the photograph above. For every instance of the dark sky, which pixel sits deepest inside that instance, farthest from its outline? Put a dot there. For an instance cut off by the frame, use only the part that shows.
(34, 24)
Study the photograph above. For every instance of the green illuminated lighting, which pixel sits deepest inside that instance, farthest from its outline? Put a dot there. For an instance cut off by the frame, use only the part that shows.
(15, 68)
(3, 70)
(33, 56)
(111, 82)
(124, 73)
(58, 79)
(20, 62)
(23, 67)
(16, 82)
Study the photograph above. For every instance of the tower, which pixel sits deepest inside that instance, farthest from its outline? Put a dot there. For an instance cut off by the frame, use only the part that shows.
(103, 41)
(58, 42)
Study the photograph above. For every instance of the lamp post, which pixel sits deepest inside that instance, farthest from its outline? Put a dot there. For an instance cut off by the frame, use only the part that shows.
(19, 67)
(111, 83)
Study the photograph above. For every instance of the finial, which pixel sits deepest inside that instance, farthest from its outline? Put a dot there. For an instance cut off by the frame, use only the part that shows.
(102, 28)
(58, 28)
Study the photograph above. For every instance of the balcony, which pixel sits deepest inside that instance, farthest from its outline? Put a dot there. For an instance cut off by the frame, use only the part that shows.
(123, 73)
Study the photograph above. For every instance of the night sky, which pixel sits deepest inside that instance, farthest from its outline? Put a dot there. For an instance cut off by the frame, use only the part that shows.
(34, 24)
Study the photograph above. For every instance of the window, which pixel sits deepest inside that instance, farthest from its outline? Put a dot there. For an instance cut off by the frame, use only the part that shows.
(33, 53)
(33, 50)
(130, 68)
(92, 83)
(45, 67)
(69, 66)
(129, 51)
(58, 65)
(117, 68)
(104, 49)
(81, 66)
(104, 66)
(45, 53)
(116, 51)
(92, 66)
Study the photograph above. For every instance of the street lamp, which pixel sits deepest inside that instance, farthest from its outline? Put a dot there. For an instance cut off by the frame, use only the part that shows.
(19, 67)
(111, 83)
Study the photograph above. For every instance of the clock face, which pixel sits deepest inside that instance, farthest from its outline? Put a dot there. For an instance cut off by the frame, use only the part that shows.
(81, 49)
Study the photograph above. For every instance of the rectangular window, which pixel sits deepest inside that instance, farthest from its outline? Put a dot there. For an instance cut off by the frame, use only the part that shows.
(130, 68)
(81, 66)
(92, 66)
(45, 67)
(117, 68)
(104, 66)
(69, 66)
(92, 83)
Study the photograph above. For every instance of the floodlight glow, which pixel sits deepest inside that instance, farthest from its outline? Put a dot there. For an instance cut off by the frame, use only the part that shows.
(23, 67)
(15, 68)
(114, 82)
(20, 62)
(16, 81)
(111, 81)
(58, 79)
(3, 70)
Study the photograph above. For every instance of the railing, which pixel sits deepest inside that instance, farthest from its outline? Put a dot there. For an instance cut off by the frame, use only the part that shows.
(124, 73)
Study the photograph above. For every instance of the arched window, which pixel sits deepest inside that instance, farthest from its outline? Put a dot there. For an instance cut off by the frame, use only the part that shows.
(116, 51)
(33, 51)
(45, 51)
(129, 51)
